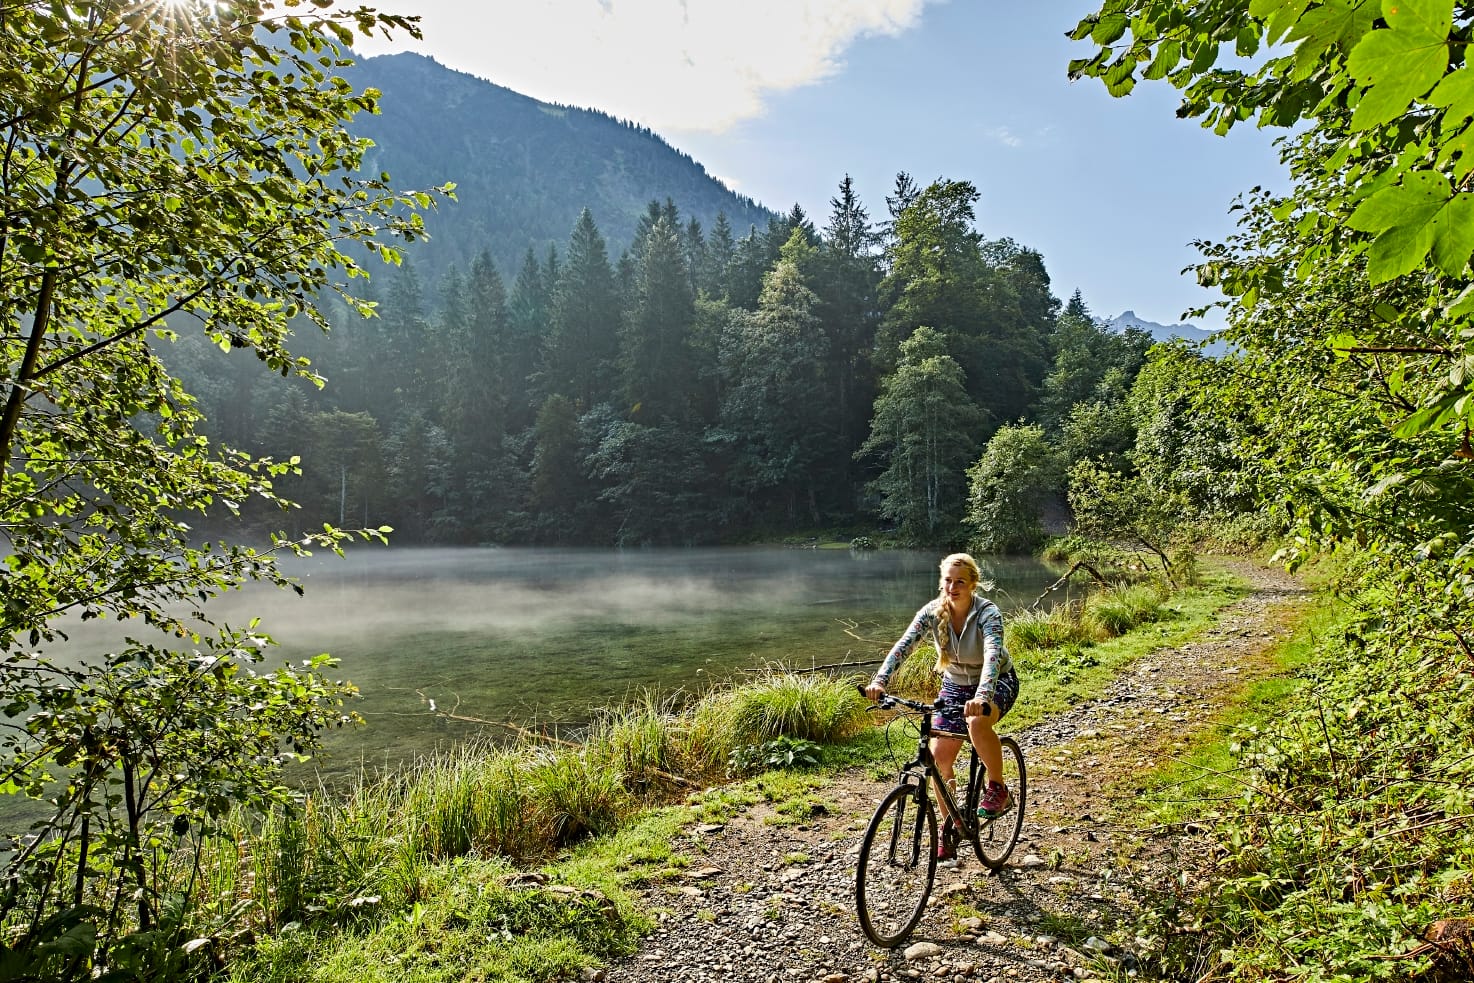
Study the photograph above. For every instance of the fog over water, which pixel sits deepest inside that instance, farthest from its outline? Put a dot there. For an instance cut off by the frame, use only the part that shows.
(540, 637)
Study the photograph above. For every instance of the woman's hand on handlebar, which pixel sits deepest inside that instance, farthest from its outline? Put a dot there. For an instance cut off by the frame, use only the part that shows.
(873, 692)
(977, 708)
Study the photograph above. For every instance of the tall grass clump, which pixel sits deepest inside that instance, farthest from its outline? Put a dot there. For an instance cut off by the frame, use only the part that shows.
(808, 706)
(1062, 626)
(325, 859)
(644, 741)
(572, 792)
(1123, 607)
(916, 675)
(475, 799)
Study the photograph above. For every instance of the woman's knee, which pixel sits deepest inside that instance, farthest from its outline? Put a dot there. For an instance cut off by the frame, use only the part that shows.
(944, 749)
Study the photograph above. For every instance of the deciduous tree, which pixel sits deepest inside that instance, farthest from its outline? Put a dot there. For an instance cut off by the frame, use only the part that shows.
(166, 168)
(924, 435)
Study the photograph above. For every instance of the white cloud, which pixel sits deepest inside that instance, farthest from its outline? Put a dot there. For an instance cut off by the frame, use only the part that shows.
(691, 65)
(1003, 135)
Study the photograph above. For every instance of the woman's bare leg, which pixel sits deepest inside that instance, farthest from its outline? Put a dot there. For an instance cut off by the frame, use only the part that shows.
(986, 743)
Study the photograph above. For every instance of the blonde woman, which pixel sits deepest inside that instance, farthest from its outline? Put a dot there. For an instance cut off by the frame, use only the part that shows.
(979, 684)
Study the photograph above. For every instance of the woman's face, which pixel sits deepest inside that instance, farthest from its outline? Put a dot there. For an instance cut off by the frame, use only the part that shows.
(957, 582)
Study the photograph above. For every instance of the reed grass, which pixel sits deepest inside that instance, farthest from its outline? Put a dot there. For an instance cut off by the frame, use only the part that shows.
(1124, 607)
(808, 706)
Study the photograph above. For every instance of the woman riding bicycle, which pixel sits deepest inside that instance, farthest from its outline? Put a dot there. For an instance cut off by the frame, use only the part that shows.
(979, 685)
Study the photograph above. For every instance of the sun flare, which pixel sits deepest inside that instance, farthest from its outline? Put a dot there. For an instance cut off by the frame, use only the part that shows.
(182, 16)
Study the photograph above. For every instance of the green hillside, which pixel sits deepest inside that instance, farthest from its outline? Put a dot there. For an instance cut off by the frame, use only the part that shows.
(523, 169)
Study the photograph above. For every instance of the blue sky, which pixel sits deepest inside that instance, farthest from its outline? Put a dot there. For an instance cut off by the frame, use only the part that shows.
(782, 98)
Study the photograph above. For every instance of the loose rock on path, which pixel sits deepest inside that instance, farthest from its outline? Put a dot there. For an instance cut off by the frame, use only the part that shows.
(766, 903)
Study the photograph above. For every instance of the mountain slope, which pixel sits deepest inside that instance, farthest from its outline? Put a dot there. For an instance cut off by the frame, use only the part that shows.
(524, 169)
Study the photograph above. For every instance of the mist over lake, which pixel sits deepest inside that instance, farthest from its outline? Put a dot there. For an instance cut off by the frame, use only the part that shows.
(539, 637)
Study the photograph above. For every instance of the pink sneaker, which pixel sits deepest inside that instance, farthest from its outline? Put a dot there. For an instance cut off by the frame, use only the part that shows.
(994, 801)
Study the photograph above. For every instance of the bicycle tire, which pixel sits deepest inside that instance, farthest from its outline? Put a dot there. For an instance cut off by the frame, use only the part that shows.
(898, 861)
(998, 836)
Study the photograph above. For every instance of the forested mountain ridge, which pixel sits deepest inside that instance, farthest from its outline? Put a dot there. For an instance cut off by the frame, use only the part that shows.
(524, 170)
(600, 343)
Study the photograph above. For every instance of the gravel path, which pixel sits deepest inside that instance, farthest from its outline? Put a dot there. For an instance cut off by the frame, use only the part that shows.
(763, 903)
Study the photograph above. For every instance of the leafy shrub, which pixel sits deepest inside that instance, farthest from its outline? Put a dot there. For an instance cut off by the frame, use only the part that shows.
(861, 544)
(780, 752)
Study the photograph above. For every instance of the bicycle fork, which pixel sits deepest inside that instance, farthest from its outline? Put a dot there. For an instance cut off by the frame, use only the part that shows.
(906, 838)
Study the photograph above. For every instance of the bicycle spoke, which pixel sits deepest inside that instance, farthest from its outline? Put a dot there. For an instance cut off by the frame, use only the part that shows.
(898, 859)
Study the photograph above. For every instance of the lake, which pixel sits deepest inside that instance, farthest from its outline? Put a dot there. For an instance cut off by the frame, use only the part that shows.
(539, 637)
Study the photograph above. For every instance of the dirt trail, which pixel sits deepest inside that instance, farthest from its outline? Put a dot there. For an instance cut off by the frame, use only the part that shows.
(763, 902)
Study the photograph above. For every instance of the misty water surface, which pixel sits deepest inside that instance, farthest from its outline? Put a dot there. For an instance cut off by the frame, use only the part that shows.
(539, 637)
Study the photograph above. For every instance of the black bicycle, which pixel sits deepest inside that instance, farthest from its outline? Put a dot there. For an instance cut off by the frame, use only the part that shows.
(898, 856)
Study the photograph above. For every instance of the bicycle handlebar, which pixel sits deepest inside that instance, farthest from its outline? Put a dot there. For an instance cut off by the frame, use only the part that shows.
(887, 701)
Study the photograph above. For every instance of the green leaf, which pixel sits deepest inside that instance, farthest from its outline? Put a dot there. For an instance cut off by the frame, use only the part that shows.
(1342, 344)
(1336, 23)
(1401, 62)
(1285, 15)
(1453, 234)
(1169, 53)
(1398, 251)
(1456, 94)
(1427, 418)
(1415, 200)
(1429, 18)
(1109, 29)
(1402, 218)
(1463, 304)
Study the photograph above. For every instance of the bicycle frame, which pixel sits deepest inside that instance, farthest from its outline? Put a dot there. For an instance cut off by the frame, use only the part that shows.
(923, 770)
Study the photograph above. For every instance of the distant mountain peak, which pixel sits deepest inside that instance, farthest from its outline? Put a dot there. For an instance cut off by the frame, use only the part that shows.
(1165, 332)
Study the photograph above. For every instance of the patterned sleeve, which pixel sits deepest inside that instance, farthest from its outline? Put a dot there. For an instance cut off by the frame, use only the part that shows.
(921, 627)
(990, 624)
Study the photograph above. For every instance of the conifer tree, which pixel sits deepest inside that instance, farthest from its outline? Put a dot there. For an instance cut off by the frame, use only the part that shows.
(582, 339)
(655, 357)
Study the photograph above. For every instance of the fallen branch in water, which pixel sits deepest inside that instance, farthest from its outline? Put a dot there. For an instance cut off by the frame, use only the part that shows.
(823, 668)
(1079, 565)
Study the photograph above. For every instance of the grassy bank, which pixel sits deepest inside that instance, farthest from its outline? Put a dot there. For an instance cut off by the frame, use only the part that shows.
(517, 863)
(1342, 805)
(1339, 796)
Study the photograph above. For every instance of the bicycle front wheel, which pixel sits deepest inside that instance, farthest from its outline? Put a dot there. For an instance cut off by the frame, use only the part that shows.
(898, 859)
(998, 836)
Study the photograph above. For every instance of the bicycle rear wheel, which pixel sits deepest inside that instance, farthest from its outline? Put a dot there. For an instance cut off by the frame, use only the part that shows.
(998, 836)
(898, 859)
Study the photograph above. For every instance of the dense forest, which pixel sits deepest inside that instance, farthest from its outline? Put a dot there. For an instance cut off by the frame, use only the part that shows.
(696, 388)
(560, 360)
